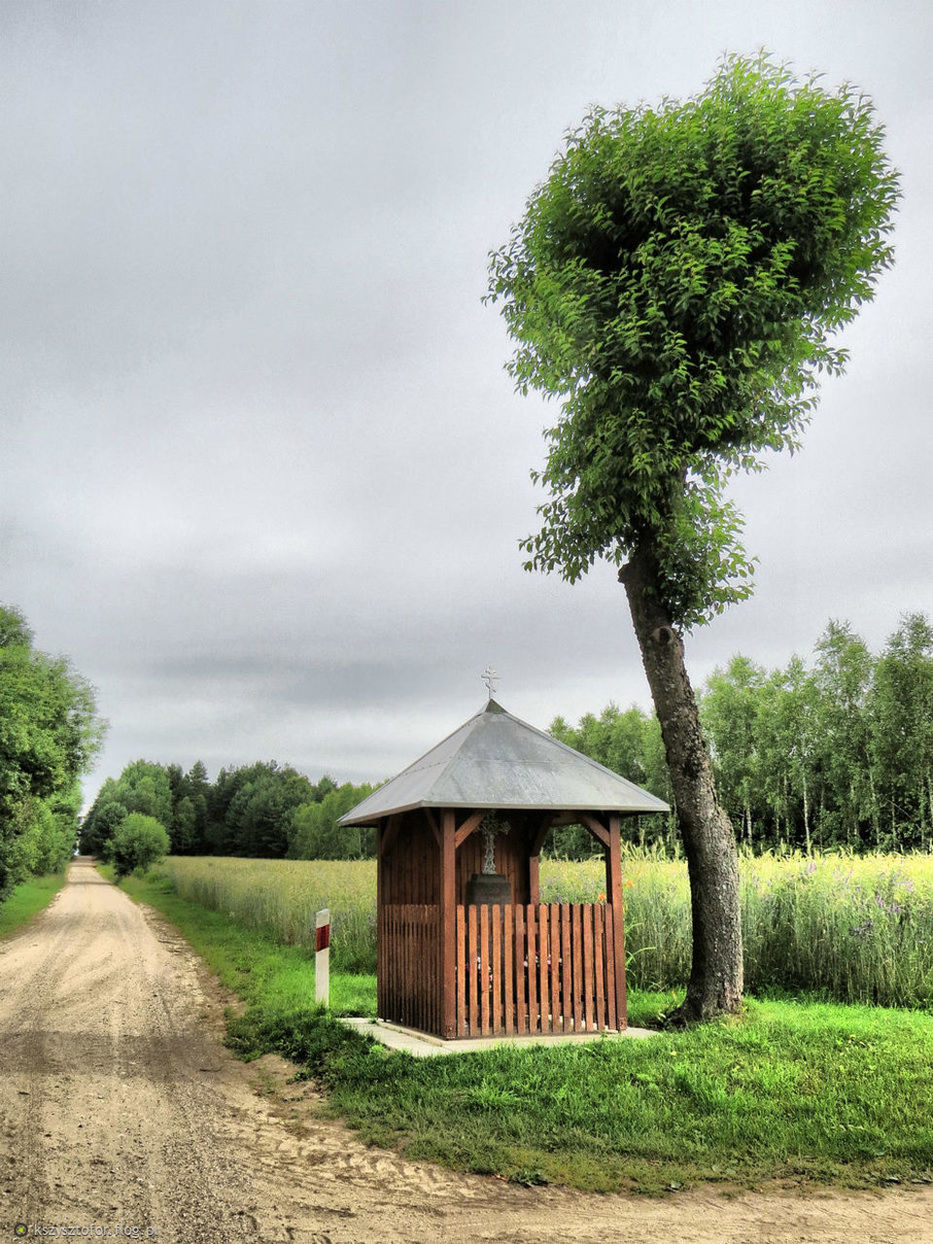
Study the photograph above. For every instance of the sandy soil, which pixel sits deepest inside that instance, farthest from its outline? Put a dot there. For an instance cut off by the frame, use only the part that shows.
(120, 1110)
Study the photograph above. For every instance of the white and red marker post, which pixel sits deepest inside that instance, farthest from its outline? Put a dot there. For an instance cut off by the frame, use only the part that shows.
(322, 957)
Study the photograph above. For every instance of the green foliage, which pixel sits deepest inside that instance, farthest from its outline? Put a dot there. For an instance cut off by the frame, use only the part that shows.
(102, 821)
(250, 809)
(190, 798)
(137, 843)
(730, 708)
(49, 734)
(838, 753)
(14, 632)
(629, 743)
(142, 787)
(901, 743)
(675, 282)
(315, 834)
(843, 674)
(27, 899)
(259, 814)
(247, 811)
(834, 753)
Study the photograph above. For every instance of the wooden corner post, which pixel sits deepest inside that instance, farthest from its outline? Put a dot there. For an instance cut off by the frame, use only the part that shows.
(380, 939)
(535, 843)
(614, 898)
(448, 924)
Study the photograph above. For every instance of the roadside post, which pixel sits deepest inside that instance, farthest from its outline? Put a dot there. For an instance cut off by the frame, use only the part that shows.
(322, 957)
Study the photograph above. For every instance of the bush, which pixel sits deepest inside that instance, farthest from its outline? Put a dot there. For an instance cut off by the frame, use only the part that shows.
(136, 843)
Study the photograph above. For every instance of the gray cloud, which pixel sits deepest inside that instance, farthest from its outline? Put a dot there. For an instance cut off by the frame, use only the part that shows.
(262, 475)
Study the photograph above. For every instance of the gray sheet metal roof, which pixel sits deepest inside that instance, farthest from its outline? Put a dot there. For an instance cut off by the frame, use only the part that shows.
(496, 761)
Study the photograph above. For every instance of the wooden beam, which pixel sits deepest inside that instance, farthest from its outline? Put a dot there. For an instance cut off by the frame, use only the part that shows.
(432, 821)
(596, 827)
(468, 826)
(540, 834)
(448, 925)
(614, 900)
(393, 825)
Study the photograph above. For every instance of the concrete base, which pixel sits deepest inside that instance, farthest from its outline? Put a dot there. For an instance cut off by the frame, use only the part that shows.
(424, 1045)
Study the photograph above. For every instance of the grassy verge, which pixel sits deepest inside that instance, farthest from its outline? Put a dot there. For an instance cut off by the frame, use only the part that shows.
(27, 900)
(273, 978)
(806, 1091)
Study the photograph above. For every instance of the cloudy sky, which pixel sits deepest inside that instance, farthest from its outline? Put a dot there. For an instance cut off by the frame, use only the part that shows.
(262, 474)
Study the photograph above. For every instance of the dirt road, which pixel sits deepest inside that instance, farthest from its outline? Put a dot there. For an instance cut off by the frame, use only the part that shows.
(121, 1114)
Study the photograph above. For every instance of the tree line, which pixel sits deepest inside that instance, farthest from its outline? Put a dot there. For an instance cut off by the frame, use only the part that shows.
(262, 810)
(832, 752)
(49, 735)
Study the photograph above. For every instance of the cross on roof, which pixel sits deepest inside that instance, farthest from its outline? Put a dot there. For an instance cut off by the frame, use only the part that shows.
(491, 679)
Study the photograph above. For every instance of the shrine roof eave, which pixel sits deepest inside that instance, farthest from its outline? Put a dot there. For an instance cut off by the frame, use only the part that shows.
(474, 806)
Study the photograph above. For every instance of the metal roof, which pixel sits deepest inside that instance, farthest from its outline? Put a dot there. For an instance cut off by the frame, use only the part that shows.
(496, 761)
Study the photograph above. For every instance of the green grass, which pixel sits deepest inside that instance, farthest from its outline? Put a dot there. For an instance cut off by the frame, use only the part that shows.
(27, 900)
(825, 1093)
(790, 1090)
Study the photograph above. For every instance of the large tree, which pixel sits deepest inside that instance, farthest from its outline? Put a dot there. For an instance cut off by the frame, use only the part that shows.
(675, 282)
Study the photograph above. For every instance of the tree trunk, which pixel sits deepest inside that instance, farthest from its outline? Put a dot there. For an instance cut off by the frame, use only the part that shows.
(715, 985)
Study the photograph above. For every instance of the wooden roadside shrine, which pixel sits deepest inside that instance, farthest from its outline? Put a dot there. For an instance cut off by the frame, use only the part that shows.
(465, 946)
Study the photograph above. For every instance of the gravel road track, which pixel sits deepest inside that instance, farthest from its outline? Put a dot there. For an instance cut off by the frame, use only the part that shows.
(122, 1114)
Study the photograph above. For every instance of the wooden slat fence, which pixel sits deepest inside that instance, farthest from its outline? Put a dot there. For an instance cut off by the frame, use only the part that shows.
(546, 968)
(409, 990)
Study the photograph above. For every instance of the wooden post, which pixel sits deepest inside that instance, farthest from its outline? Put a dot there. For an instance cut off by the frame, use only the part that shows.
(534, 884)
(448, 925)
(322, 957)
(535, 843)
(380, 938)
(614, 899)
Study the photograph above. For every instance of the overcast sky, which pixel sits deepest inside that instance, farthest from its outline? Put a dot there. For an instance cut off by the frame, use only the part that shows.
(262, 474)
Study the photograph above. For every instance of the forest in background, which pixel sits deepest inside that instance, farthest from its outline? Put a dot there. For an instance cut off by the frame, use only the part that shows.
(836, 752)
(831, 753)
(264, 810)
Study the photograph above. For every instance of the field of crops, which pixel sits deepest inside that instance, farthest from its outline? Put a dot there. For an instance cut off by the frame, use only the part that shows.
(858, 928)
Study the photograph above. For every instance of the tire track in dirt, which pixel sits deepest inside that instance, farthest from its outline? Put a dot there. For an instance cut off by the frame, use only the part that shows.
(118, 1105)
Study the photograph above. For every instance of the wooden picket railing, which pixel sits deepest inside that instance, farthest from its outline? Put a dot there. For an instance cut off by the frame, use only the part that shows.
(545, 968)
(408, 974)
